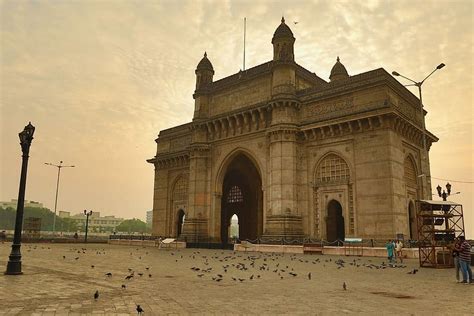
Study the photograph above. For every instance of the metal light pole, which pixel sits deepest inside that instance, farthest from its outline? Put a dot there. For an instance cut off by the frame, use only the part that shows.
(419, 84)
(87, 214)
(57, 190)
(14, 262)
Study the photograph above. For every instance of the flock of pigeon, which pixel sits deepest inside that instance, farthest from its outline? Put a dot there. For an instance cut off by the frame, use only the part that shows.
(238, 267)
(128, 277)
(259, 265)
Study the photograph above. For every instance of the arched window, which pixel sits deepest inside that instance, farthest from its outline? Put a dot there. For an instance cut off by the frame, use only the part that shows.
(409, 172)
(235, 195)
(332, 169)
(180, 191)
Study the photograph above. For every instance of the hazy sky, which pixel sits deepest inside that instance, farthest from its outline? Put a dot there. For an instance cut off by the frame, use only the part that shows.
(100, 79)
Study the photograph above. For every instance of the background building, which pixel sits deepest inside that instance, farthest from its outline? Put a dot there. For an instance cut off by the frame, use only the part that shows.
(97, 223)
(149, 218)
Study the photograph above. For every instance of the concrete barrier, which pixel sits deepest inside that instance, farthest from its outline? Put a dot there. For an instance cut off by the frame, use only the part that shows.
(409, 253)
(147, 243)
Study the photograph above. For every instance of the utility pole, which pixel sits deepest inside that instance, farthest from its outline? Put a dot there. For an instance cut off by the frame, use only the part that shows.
(57, 190)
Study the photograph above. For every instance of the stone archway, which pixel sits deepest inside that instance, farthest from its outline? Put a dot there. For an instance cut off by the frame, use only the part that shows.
(334, 222)
(412, 224)
(242, 196)
(180, 222)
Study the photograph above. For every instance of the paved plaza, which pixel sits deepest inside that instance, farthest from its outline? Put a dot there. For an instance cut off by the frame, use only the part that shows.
(61, 279)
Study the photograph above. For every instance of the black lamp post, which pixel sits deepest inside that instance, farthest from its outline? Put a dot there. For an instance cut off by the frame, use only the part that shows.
(446, 193)
(14, 262)
(87, 214)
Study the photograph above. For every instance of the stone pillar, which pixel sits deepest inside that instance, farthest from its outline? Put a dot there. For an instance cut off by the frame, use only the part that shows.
(160, 196)
(283, 218)
(195, 228)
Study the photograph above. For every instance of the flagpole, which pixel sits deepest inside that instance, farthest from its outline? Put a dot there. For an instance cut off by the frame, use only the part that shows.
(245, 30)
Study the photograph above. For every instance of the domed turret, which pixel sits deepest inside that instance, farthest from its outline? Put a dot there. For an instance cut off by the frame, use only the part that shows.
(338, 71)
(283, 41)
(205, 64)
(204, 72)
(282, 31)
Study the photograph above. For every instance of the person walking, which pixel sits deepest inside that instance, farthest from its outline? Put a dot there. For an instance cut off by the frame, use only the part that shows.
(464, 249)
(390, 250)
(399, 247)
(455, 254)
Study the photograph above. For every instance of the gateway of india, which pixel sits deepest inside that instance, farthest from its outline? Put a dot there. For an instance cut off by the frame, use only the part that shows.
(293, 155)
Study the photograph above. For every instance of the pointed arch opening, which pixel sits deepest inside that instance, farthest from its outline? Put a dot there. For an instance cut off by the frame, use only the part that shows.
(241, 197)
(180, 222)
(411, 182)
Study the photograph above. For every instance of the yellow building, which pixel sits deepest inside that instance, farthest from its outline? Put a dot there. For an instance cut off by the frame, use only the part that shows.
(293, 155)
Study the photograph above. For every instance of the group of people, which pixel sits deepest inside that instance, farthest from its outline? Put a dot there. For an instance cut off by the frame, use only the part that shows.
(394, 250)
(462, 260)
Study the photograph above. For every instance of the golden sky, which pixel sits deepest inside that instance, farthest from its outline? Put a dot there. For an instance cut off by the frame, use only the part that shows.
(100, 79)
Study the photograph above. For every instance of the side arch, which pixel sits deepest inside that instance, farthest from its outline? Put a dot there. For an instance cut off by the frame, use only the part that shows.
(178, 200)
(410, 172)
(333, 179)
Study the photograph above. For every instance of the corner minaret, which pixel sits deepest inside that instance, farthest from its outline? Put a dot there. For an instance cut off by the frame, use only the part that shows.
(283, 81)
(204, 75)
(338, 71)
(283, 43)
(204, 72)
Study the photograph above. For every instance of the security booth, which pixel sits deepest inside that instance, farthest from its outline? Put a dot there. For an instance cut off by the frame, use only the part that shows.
(438, 223)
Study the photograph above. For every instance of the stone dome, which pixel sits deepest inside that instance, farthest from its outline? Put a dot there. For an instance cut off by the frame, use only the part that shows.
(338, 71)
(283, 31)
(205, 64)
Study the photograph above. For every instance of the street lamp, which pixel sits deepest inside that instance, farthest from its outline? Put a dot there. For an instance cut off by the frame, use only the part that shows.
(445, 194)
(419, 84)
(57, 189)
(87, 214)
(14, 262)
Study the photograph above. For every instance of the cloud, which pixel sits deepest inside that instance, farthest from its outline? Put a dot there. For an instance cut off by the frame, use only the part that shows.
(100, 79)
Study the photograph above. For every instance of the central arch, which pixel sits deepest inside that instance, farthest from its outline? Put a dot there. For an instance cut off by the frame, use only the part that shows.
(335, 222)
(242, 196)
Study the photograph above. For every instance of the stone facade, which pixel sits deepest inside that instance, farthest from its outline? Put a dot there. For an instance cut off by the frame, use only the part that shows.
(292, 155)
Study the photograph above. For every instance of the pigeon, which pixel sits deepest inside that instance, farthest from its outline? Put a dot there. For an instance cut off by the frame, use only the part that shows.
(200, 275)
(109, 274)
(344, 286)
(128, 277)
(140, 310)
(96, 295)
(309, 276)
(149, 275)
(124, 286)
(92, 266)
(64, 257)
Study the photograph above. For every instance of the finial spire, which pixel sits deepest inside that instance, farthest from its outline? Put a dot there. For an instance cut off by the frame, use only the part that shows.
(205, 54)
(282, 19)
(337, 58)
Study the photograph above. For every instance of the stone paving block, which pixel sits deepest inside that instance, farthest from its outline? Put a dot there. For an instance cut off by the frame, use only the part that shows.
(52, 285)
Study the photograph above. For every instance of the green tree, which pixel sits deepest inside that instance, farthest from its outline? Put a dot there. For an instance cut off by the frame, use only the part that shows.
(132, 226)
(8, 217)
